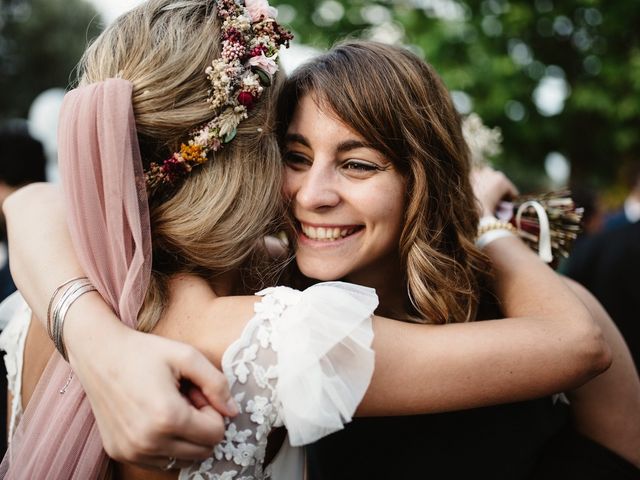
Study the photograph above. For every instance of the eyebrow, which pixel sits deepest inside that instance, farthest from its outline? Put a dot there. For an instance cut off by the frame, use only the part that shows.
(341, 148)
(297, 138)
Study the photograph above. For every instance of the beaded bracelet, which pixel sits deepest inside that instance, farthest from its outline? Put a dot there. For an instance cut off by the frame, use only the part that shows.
(491, 229)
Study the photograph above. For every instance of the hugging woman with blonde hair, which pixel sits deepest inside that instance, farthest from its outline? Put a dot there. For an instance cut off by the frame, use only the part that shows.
(323, 335)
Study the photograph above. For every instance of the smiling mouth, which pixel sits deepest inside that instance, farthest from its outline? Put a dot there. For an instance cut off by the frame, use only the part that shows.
(328, 234)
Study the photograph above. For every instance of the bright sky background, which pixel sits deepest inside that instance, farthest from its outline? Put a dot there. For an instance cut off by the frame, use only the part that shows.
(110, 9)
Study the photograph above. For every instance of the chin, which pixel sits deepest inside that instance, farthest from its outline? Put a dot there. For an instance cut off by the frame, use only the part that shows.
(320, 272)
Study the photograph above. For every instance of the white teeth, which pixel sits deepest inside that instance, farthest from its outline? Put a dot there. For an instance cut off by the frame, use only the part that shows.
(326, 234)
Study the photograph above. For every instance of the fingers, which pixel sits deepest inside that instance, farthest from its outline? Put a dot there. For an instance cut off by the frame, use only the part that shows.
(161, 463)
(210, 381)
(194, 394)
(185, 454)
(491, 187)
(509, 188)
(179, 430)
(185, 451)
(203, 427)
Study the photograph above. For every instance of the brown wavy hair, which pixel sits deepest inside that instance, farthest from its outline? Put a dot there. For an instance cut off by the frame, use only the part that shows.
(400, 106)
(216, 219)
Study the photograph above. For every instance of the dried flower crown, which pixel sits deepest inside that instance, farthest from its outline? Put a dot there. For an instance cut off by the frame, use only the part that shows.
(251, 39)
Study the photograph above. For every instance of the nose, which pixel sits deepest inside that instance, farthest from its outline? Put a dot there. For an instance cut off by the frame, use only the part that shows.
(315, 188)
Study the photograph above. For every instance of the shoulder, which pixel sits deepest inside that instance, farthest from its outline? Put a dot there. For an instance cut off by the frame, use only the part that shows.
(209, 323)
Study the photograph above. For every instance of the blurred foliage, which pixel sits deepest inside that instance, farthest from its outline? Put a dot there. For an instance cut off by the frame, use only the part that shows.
(41, 42)
(493, 54)
(498, 52)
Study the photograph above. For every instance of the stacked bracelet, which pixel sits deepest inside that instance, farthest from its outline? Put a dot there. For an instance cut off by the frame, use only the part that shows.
(57, 311)
(490, 229)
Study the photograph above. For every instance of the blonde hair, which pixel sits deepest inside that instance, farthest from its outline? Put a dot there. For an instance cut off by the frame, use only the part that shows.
(214, 221)
(399, 105)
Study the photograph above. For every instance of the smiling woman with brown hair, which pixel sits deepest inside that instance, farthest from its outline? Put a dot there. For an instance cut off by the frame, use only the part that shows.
(377, 173)
(405, 119)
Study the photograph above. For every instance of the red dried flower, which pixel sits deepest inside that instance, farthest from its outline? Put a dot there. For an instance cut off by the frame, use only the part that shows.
(258, 50)
(246, 99)
(232, 35)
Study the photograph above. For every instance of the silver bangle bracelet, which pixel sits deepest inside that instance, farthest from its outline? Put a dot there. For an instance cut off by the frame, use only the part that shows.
(75, 289)
(71, 286)
(53, 297)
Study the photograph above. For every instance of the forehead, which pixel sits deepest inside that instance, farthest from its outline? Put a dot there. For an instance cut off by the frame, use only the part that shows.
(315, 118)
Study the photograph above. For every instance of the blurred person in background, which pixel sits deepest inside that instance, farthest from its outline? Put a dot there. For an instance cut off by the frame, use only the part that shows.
(593, 216)
(630, 211)
(588, 198)
(608, 264)
(22, 161)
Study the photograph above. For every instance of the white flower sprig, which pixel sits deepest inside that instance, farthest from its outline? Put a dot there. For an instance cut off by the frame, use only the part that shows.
(483, 142)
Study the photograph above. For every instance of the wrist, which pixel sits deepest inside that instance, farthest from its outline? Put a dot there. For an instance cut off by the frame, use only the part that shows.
(89, 321)
(491, 229)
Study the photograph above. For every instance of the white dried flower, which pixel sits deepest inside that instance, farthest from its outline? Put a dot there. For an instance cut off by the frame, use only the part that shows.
(483, 142)
(229, 120)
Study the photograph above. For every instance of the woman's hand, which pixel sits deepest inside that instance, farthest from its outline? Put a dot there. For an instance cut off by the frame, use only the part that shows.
(490, 188)
(131, 379)
(133, 383)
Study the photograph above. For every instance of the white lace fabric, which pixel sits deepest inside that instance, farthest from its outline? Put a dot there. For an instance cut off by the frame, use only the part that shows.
(304, 361)
(15, 316)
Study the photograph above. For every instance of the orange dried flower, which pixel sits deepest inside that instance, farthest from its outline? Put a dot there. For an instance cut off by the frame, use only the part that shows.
(193, 153)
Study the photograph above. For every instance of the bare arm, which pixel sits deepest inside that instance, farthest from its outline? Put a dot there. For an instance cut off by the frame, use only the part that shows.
(435, 368)
(607, 409)
(142, 418)
(553, 347)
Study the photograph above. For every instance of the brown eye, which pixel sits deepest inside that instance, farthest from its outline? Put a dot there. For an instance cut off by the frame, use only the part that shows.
(295, 160)
(360, 166)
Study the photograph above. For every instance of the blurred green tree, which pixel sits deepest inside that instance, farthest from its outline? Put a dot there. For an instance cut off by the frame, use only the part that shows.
(554, 76)
(41, 42)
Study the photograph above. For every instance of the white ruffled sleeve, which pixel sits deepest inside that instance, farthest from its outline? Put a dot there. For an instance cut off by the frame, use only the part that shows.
(325, 360)
(304, 361)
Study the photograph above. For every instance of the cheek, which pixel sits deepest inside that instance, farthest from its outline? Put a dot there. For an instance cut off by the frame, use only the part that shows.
(289, 184)
(393, 215)
(394, 224)
(392, 203)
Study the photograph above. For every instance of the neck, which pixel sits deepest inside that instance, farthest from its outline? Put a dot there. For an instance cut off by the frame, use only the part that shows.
(391, 287)
(226, 284)
(393, 302)
(191, 289)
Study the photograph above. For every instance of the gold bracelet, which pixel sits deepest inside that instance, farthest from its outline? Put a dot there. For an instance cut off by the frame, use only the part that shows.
(494, 224)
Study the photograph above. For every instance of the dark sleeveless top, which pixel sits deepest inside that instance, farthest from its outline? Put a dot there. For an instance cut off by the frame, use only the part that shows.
(502, 442)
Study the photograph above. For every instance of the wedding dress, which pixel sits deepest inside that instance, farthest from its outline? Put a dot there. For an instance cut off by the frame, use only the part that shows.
(303, 361)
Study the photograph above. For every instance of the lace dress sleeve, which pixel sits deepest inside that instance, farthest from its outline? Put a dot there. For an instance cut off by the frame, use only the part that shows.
(304, 361)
